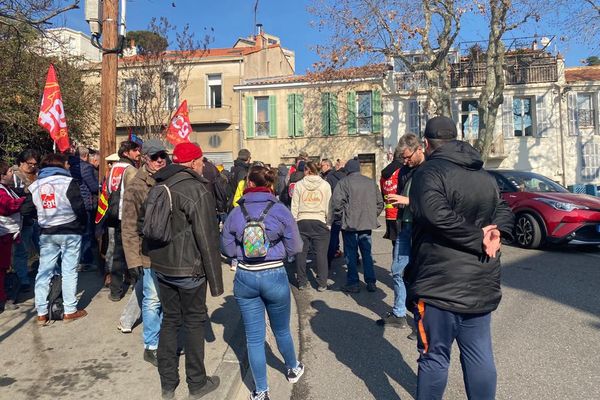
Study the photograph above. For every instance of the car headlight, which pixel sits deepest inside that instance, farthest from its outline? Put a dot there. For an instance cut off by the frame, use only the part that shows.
(560, 205)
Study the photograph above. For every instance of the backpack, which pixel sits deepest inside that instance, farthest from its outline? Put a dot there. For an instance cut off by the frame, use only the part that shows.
(157, 218)
(56, 310)
(255, 243)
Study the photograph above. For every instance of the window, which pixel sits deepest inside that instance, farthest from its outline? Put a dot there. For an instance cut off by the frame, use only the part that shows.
(214, 91)
(469, 119)
(522, 118)
(364, 114)
(295, 115)
(261, 124)
(130, 100)
(329, 114)
(170, 91)
(417, 117)
(585, 110)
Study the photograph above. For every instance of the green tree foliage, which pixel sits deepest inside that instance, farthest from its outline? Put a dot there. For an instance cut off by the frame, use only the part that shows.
(592, 60)
(147, 42)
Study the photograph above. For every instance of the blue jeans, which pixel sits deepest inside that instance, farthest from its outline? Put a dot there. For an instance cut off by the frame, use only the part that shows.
(28, 244)
(67, 247)
(437, 330)
(401, 258)
(352, 242)
(88, 241)
(254, 292)
(133, 309)
(151, 310)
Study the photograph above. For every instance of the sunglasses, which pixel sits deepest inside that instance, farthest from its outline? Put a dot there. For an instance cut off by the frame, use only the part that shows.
(155, 157)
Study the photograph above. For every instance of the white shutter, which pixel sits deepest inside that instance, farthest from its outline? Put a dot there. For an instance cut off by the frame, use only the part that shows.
(507, 117)
(423, 117)
(572, 112)
(541, 116)
(413, 117)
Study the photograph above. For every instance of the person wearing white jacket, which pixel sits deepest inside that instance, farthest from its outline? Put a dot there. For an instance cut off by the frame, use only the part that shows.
(310, 208)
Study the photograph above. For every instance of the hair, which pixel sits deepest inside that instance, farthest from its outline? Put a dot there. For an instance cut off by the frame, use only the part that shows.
(127, 145)
(262, 176)
(83, 151)
(4, 167)
(408, 141)
(435, 144)
(54, 160)
(244, 155)
(94, 154)
(327, 161)
(28, 154)
(311, 167)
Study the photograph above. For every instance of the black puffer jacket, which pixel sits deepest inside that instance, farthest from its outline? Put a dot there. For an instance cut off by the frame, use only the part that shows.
(452, 198)
(194, 247)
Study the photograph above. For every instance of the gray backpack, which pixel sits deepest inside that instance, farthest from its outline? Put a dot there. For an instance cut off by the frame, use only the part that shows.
(157, 217)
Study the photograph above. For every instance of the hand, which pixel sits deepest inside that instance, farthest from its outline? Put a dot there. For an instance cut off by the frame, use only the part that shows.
(491, 240)
(397, 199)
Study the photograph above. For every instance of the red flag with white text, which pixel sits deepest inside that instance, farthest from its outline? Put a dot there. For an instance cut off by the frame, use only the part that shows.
(52, 113)
(180, 128)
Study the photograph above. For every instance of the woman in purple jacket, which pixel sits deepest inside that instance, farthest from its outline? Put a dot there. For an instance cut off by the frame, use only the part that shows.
(262, 282)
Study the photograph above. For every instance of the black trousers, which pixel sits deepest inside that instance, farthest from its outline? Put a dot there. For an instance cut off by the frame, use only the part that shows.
(187, 308)
(119, 266)
(315, 235)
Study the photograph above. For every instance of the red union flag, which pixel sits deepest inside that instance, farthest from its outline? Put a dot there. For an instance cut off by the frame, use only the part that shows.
(52, 113)
(180, 128)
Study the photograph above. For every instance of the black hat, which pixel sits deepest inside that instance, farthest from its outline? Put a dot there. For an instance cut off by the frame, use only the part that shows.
(440, 128)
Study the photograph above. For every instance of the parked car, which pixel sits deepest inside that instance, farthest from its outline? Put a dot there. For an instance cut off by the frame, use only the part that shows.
(546, 212)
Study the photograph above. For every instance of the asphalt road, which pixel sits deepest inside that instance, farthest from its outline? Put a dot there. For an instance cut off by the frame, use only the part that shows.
(546, 333)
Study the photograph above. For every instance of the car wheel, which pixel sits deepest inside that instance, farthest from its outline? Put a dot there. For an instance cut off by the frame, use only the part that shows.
(528, 233)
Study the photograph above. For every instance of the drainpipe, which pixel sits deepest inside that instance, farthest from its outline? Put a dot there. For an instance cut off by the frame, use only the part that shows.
(240, 132)
(562, 138)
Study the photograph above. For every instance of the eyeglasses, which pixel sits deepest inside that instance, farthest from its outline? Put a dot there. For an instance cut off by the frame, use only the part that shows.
(409, 157)
(156, 156)
(31, 164)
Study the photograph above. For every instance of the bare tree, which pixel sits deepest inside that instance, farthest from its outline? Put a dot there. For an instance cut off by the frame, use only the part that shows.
(33, 13)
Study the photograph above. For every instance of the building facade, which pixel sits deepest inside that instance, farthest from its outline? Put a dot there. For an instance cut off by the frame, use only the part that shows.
(62, 42)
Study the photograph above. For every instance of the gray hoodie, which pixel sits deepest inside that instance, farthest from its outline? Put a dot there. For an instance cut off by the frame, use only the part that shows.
(311, 199)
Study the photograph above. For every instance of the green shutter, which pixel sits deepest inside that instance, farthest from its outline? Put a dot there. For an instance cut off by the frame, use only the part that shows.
(249, 117)
(325, 114)
(334, 121)
(299, 115)
(351, 113)
(272, 116)
(291, 115)
(377, 111)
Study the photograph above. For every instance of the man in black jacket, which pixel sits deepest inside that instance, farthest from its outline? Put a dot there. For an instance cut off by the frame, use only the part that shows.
(240, 168)
(332, 177)
(453, 281)
(183, 268)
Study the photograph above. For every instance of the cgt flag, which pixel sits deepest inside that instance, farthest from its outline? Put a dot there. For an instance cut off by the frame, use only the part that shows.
(52, 113)
(180, 128)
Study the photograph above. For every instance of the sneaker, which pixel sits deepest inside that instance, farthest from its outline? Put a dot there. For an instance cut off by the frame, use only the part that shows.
(42, 320)
(351, 288)
(304, 286)
(294, 374)
(391, 320)
(150, 356)
(114, 298)
(212, 382)
(123, 329)
(259, 395)
(413, 335)
(73, 316)
(371, 287)
(322, 289)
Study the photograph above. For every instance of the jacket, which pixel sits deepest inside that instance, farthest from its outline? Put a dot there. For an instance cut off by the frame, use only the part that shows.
(10, 218)
(333, 177)
(282, 230)
(452, 198)
(357, 202)
(57, 199)
(288, 191)
(194, 247)
(133, 200)
(311, 199)
(238, 173)
(389, 185)
(20, 185)
(76, 173)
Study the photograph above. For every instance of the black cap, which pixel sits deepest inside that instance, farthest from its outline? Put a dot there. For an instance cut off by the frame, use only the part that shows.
(440, 128)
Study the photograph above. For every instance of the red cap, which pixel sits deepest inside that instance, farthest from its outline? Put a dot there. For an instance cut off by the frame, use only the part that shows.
(186, 152)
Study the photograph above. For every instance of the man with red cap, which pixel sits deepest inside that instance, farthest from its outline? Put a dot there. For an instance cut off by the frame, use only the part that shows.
(184, 266)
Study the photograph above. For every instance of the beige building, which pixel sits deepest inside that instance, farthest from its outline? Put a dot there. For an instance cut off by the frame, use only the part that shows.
(336, 115)
(61, 42)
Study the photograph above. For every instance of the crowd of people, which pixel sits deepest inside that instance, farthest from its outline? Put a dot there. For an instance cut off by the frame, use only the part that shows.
(160, 223)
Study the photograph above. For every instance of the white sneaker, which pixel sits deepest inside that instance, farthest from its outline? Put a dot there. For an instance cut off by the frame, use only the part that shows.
(123, 329)
(294, 374)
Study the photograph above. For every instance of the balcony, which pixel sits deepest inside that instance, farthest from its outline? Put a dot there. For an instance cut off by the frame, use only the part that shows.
(209, 115)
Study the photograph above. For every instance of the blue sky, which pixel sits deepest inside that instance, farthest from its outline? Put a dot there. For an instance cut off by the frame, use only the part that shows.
(287, 19)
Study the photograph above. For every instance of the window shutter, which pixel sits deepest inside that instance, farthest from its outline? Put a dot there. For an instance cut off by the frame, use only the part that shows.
(291, 114)
(413, 117)
(507, 117)
(456, 111)
(351, 103)
(572, 112)
(334, 121)
(299, 115)
(377, 112)
(249, 117)
(325, 114)
(272, 116)
(541, 116)
(598, 113)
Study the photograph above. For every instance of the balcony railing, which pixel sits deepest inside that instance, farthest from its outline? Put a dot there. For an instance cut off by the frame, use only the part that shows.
(585, 118)
(207, 114)
(261, 128)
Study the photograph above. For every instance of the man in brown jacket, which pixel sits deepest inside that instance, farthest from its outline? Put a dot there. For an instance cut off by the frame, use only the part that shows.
(154, 157)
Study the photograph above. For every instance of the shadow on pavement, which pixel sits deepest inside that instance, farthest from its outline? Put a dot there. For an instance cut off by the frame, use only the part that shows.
(233, 331)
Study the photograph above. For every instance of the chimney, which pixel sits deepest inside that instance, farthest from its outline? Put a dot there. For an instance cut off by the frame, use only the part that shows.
(259, 29)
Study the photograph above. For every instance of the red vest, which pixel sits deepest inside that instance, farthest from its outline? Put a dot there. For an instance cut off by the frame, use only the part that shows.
(390, 186)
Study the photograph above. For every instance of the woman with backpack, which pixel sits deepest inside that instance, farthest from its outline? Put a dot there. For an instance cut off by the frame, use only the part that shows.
(260, 234)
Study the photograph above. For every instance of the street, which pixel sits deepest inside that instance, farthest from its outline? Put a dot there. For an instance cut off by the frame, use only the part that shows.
(546, 333)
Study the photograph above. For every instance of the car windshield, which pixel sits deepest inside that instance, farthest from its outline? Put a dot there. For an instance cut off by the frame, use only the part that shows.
(530, 182)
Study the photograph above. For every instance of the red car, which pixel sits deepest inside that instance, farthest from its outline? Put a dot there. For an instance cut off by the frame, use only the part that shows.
(546, 212)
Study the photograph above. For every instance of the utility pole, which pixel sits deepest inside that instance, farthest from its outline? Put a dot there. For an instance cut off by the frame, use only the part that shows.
(108, 91)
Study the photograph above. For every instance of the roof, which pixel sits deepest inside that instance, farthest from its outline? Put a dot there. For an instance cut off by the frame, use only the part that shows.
(364, 72)
(578, 74)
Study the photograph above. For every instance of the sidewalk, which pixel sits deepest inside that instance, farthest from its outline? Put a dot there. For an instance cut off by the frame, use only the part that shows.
(91, 359)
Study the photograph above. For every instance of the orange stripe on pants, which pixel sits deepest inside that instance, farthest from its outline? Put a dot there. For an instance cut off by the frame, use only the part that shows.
(422, 335)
